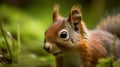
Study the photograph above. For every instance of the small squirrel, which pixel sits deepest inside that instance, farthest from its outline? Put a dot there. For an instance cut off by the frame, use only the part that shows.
(73, 45)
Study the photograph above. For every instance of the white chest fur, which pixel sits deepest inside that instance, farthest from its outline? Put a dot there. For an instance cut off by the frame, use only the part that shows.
(71, 59)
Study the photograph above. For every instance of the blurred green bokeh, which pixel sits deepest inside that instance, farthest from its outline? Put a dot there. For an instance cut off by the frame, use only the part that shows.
(35, 16)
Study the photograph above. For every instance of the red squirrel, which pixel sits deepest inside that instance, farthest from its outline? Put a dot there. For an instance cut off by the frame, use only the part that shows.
(73, 45)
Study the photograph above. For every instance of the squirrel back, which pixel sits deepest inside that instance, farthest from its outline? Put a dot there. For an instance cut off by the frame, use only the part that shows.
(110, 23)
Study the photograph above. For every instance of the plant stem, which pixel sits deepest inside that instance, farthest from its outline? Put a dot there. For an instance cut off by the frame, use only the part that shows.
(5, 38)
(18, 37)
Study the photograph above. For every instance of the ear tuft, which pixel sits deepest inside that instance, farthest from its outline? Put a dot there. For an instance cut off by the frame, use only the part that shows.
(75, 17)
(56, 8)
(76, 7)
(75, 13)
(56, 14)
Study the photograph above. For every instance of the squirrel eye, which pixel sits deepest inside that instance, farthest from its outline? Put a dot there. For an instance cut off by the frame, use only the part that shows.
(64, 35)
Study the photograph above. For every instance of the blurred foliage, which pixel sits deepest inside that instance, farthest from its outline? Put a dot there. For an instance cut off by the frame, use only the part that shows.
(31, 32)
(105, 62)
(34, 17)
(108, 62)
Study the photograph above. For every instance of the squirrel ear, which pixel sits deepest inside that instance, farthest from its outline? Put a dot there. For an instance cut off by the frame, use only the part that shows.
(75, 22)
(75, 18)
(56, 14)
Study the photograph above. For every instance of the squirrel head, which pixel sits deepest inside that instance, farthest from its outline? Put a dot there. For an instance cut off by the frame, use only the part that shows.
(65, 34)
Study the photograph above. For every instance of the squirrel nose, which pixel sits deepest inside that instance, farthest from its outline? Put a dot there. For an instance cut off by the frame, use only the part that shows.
(47, 46)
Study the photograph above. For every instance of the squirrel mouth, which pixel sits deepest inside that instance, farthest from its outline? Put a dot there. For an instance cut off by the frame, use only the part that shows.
(57, 53)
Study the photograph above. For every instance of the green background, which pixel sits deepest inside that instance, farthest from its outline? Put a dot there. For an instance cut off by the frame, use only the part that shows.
(35, 16)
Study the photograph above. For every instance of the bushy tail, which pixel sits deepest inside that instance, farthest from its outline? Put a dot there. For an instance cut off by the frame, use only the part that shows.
(111, 24)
